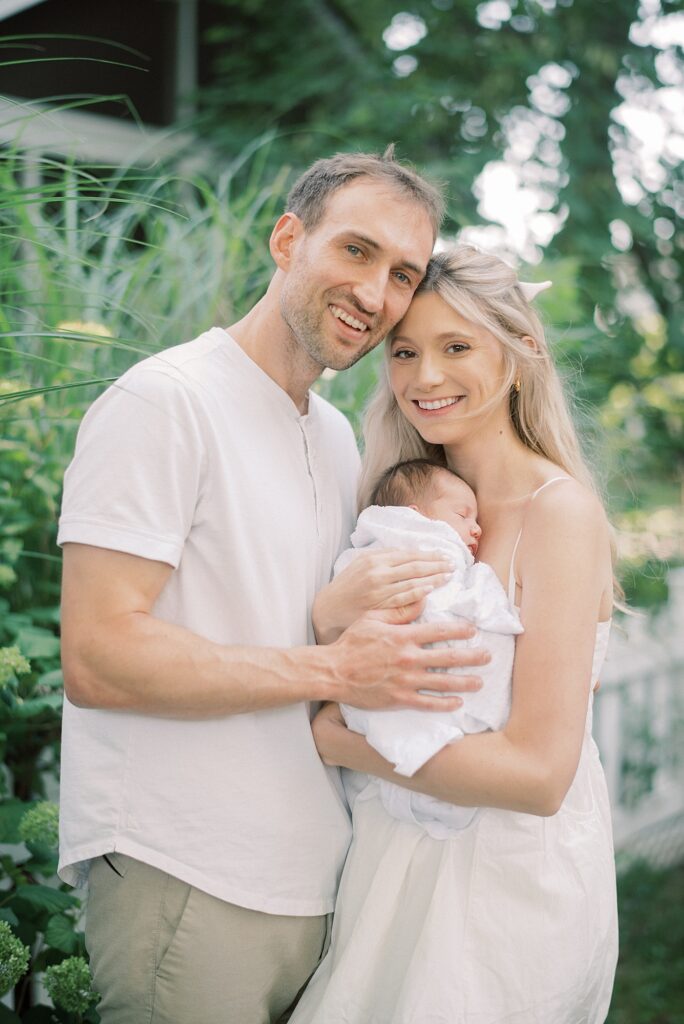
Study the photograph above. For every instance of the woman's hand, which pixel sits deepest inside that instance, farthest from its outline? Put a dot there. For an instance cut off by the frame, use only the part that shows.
(374, 580)
(328, 729)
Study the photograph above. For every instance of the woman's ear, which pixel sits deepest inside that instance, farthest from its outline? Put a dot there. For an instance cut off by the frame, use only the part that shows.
(528, 340)
(287, 230)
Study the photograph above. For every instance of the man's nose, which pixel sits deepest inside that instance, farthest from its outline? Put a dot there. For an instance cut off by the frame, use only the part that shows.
(370, 291)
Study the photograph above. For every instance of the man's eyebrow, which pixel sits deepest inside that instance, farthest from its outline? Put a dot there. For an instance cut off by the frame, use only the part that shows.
(372, 244)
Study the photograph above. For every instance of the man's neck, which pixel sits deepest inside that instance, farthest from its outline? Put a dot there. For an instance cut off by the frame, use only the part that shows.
(267, 340)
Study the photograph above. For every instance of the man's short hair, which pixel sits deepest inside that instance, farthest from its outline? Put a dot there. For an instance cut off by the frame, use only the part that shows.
(309, 194)
(408, 482)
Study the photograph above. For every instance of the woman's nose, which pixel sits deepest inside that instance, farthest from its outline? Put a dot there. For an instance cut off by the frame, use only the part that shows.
(429, 373)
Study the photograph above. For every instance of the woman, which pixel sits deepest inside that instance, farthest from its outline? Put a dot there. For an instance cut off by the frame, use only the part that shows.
(514, 919)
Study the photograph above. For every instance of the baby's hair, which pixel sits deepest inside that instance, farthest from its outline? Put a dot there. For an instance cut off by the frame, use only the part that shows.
(407, 482)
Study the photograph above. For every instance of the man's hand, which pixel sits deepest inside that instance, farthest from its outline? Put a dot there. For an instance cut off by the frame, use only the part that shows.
(381, 662)
(375, 580)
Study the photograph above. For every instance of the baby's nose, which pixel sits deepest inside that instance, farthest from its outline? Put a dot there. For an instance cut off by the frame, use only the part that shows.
(476, 530)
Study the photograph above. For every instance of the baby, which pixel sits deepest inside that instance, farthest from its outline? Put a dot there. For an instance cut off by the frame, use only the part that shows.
(421, 504)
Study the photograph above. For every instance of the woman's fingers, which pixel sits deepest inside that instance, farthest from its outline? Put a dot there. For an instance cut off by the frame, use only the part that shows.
(394, 566)
(399, 595)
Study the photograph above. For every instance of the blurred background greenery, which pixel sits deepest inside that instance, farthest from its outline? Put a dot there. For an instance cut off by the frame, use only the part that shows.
(146, 152)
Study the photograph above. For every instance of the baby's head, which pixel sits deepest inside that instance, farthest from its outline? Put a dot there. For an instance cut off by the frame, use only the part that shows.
(435, 492)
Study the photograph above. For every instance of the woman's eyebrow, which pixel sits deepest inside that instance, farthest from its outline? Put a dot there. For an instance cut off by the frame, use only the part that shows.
(455, 336)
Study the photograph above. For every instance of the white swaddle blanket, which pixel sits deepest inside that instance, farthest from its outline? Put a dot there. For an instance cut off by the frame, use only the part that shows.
(406, 737)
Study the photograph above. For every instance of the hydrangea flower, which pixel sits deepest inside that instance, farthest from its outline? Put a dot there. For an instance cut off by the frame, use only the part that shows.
(12, 663)
(14, 958)
(69, 985)
(40, 825)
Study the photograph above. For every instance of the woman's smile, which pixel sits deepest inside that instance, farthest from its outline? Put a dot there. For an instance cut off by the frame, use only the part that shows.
(437, 406)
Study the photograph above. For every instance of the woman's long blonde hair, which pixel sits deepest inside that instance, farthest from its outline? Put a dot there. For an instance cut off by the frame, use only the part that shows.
(486, 291)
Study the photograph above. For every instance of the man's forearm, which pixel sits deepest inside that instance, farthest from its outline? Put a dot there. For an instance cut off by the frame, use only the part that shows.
(149, 666)
(137, 662)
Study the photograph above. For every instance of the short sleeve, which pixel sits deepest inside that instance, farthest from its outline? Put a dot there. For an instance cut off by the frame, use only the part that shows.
(135, 480)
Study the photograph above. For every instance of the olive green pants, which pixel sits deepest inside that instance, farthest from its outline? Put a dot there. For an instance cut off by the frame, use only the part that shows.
(164, 952)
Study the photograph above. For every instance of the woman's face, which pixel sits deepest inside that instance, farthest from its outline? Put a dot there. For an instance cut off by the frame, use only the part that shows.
(444, 370)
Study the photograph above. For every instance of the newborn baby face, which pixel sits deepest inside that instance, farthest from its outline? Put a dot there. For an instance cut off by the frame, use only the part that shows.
(451, 500)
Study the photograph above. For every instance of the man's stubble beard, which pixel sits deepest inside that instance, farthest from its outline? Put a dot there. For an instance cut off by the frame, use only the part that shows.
(308, 335)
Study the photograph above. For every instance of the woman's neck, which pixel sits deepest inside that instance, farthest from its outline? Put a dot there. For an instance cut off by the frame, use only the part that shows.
(496, 464)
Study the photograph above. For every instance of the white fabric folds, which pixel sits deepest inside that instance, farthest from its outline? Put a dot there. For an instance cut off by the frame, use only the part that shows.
(408, 738)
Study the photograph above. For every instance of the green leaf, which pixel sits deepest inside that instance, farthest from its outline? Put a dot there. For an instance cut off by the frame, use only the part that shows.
(61, 935)
(11, 813)
(37, 643)
(53, 680)
(43, 897)
(8, 915)
(36, 705)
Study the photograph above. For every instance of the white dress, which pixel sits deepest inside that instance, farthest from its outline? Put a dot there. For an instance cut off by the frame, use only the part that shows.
(511, 921)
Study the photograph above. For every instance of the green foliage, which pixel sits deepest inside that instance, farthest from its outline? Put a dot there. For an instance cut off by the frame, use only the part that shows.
(14, 958)
(650, 974)
(69, 985)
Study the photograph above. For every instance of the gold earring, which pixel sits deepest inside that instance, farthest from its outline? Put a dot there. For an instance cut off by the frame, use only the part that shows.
(516, 383)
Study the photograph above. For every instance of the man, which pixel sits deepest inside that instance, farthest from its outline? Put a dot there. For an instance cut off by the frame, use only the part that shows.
(208, 498)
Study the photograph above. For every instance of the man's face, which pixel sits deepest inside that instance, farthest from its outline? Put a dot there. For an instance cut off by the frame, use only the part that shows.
(352, 277)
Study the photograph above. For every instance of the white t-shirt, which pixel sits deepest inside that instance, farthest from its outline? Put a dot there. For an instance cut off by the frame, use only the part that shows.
(197, 458)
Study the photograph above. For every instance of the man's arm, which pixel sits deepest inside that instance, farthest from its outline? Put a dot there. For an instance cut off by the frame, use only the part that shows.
(117, 655)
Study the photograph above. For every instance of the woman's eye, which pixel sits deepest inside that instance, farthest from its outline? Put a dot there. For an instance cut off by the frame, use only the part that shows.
(458, 347)
(402, 353)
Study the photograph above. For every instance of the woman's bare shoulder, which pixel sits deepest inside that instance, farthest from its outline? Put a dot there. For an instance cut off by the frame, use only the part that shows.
(567, 503)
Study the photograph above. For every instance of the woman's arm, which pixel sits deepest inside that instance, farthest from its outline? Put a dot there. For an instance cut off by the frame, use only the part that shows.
(565, 571)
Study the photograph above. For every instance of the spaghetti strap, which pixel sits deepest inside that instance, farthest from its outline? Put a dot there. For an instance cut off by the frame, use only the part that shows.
(511, 571)
(553, 480)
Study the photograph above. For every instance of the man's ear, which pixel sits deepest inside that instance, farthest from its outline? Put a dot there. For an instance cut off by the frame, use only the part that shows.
(287, 230)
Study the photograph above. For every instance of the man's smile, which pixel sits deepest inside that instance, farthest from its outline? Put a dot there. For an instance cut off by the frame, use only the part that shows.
(347, 318)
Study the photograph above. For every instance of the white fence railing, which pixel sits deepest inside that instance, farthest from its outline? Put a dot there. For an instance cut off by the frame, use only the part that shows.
(639, 730)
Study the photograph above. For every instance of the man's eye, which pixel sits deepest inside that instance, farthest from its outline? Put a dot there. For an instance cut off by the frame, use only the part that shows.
(402, 277)
(353, 250)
